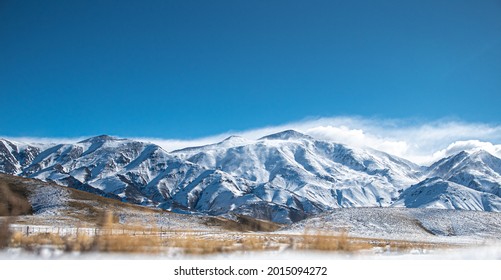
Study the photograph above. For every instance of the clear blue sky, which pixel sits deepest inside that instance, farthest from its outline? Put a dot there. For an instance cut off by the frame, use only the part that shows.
(183, 69)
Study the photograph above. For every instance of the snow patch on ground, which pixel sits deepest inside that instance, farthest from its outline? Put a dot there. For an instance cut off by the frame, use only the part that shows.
(484, 252)
(430, 225)
(48, 200)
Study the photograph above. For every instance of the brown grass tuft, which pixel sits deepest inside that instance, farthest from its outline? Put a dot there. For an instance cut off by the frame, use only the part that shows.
(126, 243)
(254, 243)
(107, 240)
(111, 240)
(33, 241)
(325, 241)
(79, 243)
(196, 245)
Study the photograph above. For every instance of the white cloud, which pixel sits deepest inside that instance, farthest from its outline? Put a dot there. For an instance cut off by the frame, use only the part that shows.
(357, 137)
(176, 144)
(470, 145)
(420, 142)
(45, 140)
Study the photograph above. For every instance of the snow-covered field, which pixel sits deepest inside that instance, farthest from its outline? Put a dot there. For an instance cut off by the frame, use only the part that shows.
(484, 252)
(431, 225)
(426, 233)
(491, 251)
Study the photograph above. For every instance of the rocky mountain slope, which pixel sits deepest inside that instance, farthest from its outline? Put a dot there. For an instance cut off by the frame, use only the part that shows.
(283, 177)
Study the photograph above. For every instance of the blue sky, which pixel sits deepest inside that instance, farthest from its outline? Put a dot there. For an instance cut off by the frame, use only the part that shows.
(190, 69)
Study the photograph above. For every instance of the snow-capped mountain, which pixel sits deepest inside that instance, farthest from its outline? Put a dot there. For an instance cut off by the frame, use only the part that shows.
(469, 180)
(438, 193)
(477, 170)
(15, 155)
(283, 177)
(296, 171)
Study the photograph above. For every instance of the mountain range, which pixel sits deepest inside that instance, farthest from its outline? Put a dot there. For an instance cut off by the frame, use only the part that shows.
(283, 177)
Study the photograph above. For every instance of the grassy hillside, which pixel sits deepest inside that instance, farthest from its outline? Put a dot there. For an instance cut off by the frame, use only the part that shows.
(39, 203)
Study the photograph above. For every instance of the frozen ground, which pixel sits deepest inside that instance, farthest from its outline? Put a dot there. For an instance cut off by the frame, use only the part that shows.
(485, 252)
(429, 225)
(472, 234)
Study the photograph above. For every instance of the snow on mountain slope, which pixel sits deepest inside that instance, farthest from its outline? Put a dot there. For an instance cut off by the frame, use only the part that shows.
(283, 177)
(14, 155)
(295, 171)
(58, 206)
(468, 180)
(477, 170)
(291, 160)
(441, 194)
(260, 160)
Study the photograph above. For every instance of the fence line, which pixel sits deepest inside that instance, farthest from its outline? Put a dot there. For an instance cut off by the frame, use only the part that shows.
(161, 232)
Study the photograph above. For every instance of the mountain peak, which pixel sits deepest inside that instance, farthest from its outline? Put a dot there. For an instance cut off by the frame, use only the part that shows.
(481, 153)
(286, 135)
(476, 153)
(234, 138)
(99, 139)
(473, 155)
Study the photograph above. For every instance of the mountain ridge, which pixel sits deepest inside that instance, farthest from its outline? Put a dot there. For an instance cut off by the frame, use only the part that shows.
(283, 177)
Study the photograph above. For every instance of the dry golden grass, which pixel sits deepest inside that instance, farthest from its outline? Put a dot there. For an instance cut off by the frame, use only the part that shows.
(326, 241)
(192, 243)
(134, 237)
(79, 243)
(253, 243)
(196, 245)
(126, 243)
(109, 241)
(106, 241)
(85, 243)
(33, 241)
